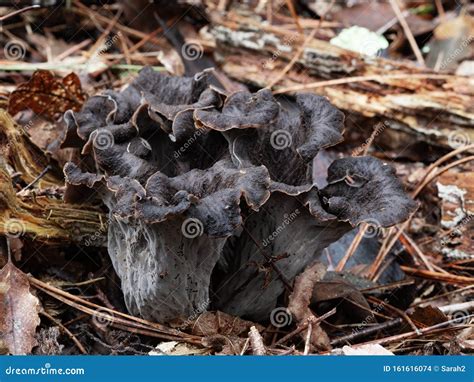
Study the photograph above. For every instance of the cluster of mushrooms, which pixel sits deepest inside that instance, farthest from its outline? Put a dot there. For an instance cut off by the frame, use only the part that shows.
(210, 195)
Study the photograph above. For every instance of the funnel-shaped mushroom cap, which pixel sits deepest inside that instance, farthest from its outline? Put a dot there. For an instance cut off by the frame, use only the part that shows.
(198, 185)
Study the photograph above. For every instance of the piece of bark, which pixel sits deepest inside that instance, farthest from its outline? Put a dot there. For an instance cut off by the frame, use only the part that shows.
(256, 340)
(40, 214)
(48, 219)
(433, 109)
(300, 300)
(456, 193)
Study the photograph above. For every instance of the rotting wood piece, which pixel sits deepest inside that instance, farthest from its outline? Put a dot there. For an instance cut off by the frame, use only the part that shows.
(44, 218)
(438, 109)
(48, 220)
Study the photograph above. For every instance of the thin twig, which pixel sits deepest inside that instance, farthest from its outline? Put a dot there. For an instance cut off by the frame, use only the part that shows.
(413, 334)
(348, 80)
(291, 8)
(18, 11)
(442, 170)
(245, 347)
(460, 290)
(407, 30)
(413, 249)
(440, 9)
(36, 180)
(65, 330)
(298, 53)
(439, 161)
(438, 276)
(111, 315)
(353, 247)
(304, 325)
(367, 331)
(401, 313)
(293, 60)
(72, 50)
(307, 344)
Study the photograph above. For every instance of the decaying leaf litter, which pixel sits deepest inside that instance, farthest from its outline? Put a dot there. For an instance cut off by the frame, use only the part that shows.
(269, 178)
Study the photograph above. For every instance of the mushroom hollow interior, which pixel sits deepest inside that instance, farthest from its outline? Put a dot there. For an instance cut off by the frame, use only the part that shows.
(210, 198)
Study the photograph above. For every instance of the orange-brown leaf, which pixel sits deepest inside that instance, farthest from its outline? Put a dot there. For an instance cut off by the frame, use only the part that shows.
(18, 311)
(47, 95)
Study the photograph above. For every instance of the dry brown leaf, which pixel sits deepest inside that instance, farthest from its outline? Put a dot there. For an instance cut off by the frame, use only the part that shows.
(18, 311)
(47, 95)
(300, 300)
(428, 316)
(210, 323)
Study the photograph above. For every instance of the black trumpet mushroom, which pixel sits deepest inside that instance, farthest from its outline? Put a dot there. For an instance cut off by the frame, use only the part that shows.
(210, 196)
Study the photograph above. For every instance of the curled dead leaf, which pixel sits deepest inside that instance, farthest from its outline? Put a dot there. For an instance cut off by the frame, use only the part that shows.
(19, 311)
(47, 95)
(300, 300)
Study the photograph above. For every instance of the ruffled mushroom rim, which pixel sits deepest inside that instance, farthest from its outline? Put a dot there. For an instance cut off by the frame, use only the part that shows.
(365, 189)
(241, 110)
(180, 115)
(217, 204)
(100, 111)
(315, 124)
(77, 132)
(359, 189)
